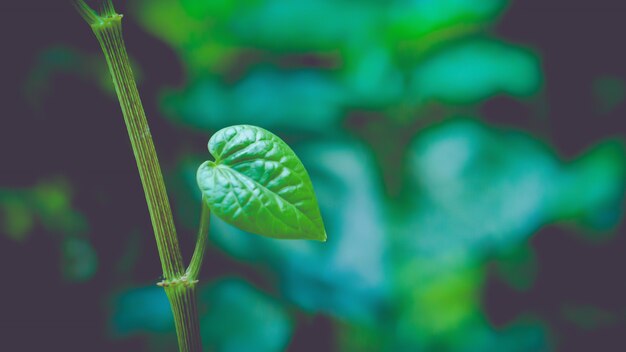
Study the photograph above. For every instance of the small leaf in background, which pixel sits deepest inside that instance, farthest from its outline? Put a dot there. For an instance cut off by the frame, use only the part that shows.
(16, 218)
(590, 193)
(60, 61)
(476, 70)
(79, 260)
(258, 184)
(49, 203)
(446, 299)
(372, 79)
(52, 201)
(240, 318)
(140, 310)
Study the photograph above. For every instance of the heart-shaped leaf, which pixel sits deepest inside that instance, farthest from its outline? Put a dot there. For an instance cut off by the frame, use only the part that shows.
(258, 184)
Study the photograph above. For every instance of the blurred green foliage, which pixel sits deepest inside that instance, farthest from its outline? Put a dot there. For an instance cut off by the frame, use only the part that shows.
(299, 65)
(60, 60)
(49, 204)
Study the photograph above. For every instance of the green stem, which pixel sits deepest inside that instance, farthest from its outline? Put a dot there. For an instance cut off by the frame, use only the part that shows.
(179, 287)
(109, 34)
(198, 254)
(182, 297)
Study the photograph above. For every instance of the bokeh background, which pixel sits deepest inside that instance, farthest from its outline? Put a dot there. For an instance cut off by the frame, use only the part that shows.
(468, 157)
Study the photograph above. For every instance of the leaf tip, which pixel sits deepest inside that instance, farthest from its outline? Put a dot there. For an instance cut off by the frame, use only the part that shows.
(322, 238)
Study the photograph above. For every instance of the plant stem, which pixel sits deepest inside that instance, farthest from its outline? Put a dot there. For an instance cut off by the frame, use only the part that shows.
(198, 254)
(182, 298)
(109, 34)
(179, 287)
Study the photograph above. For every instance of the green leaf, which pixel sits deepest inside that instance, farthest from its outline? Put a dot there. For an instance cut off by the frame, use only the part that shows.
(258, 184)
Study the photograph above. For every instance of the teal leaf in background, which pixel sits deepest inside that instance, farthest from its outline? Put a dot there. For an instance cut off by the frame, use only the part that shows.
(241, 318)
(591, 190)
(479, 189)
(372, 78)
(307, 24)
(144, 309)
(476, 190)
(476, 70)
(258, 184)
(303, 100)
(79, 259)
